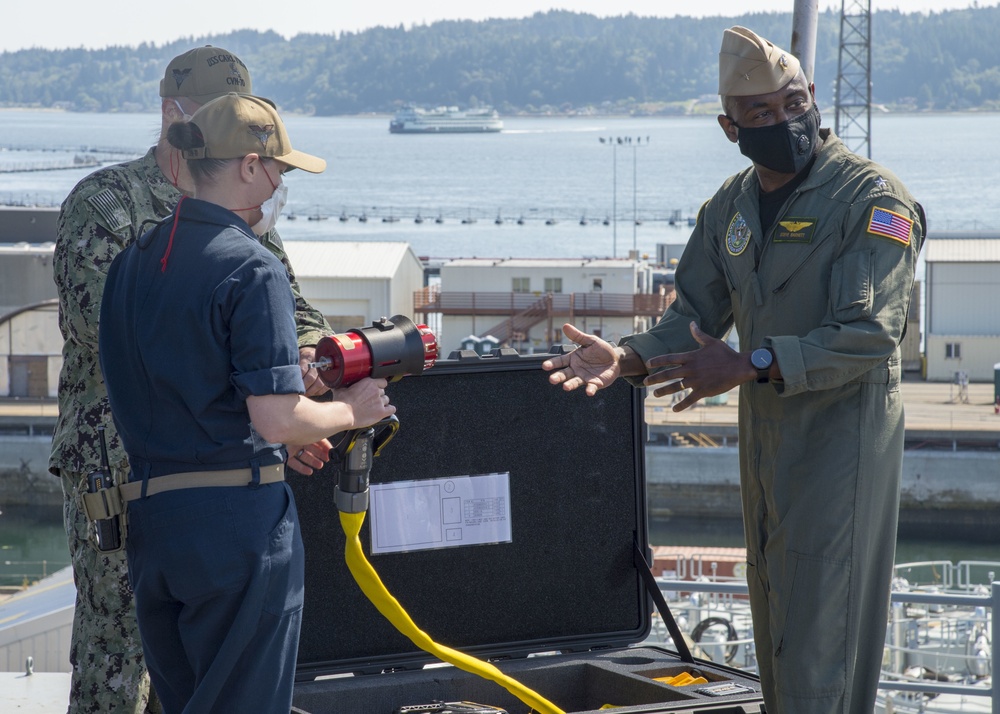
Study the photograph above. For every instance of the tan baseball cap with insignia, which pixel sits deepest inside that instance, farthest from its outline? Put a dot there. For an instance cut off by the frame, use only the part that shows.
(750, 65)
(237, 124)
(204, 74)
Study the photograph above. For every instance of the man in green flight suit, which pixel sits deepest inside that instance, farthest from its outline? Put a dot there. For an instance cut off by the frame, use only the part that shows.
(103, 214)
(810, 255)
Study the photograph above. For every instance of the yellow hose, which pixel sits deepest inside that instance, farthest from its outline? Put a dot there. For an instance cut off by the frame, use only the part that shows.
(372, 586)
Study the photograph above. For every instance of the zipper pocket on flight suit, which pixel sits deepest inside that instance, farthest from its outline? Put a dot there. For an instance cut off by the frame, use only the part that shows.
(852, 288)
(802, 263)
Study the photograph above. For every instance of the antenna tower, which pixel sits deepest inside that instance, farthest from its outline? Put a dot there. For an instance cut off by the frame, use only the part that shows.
(854, 77)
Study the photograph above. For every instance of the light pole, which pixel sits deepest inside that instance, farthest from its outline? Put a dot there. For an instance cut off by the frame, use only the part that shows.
(615, 141)
(635, 215)
(614, 191)
(614, 198)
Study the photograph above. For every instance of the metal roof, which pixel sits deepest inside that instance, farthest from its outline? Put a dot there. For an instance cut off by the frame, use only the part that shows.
(962, 250)
(23, 248)
(347, 259)
(51, 305)
(599, 263)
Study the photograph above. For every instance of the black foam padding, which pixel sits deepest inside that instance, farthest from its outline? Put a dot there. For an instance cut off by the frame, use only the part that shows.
(565, 582)
(578, 683)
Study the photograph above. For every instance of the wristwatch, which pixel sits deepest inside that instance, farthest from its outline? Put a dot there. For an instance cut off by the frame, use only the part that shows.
(762, 358)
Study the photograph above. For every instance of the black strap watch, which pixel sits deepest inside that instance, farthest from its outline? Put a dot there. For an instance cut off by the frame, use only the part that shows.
(762, 358)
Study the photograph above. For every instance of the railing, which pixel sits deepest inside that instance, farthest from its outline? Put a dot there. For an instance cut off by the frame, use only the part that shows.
(15, 573)
(947, 575)
(523, 320)
(992, 601)
(430, 300)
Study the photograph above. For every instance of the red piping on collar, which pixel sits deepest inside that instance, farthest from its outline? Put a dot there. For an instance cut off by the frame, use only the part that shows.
(170, 243)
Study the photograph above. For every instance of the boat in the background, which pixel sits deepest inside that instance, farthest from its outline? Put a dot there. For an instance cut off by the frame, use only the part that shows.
(445, 120)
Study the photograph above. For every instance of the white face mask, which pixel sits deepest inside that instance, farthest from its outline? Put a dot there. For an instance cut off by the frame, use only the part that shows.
(271, 209)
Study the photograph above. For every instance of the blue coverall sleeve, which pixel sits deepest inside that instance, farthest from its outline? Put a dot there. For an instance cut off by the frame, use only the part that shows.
(265, 355)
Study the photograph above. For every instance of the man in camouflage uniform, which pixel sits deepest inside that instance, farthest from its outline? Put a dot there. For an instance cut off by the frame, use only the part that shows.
(104, 213)
(810, 255)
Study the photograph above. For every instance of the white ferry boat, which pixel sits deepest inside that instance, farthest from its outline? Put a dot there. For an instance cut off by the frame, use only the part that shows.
(445, 120)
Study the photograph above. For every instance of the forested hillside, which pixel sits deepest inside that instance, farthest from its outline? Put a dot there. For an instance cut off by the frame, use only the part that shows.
(551, 62)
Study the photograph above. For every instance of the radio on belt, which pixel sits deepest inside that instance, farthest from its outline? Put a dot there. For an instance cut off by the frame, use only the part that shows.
(391, 348)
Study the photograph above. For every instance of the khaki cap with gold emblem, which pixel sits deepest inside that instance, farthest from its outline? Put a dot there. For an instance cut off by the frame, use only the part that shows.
(237, 124)
(750, 65)
(204, 74)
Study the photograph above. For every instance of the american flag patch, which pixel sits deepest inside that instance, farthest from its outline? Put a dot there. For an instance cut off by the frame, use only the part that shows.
(890, 225)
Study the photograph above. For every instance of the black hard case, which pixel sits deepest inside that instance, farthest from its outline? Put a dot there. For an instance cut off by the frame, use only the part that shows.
(566, 586)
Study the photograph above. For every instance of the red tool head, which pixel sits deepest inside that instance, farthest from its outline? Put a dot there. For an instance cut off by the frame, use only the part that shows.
(390, 348)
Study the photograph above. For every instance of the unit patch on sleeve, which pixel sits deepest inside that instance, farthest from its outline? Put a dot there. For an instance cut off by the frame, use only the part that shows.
(890, 224)
(795, 230)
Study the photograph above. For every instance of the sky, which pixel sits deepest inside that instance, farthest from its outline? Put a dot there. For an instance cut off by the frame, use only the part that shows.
(59, 24)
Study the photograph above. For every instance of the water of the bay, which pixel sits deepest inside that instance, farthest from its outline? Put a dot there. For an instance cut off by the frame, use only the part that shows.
(33, 542)
(539, 169)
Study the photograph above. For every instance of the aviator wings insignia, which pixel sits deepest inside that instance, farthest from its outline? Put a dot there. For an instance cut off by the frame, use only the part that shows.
(263, 133)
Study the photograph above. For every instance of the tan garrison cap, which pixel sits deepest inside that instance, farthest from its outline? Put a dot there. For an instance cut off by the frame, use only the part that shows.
(204, 74)
(237, 124)
(749, 64)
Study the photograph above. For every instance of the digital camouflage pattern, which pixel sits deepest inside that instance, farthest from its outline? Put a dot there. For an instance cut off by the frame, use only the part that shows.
(105, 652)
(103, 214)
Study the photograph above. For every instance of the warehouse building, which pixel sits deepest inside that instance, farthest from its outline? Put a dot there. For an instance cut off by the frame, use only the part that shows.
(523, 303)
(353, 283)
(962, 318)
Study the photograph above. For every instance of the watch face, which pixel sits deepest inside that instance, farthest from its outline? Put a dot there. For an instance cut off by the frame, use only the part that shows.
(761, 358)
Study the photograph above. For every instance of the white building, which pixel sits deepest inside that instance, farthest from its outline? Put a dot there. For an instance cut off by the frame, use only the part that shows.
(353, 283)
(25, 275)
(30, 343)
(31, 351)
(523, 303)
(962, 320)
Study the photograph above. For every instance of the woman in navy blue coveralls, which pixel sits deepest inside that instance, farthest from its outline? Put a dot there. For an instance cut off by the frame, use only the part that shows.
(199, 352)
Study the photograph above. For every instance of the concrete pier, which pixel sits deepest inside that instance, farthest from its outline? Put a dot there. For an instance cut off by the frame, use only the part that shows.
(951, 465)
(957, 490)
(25, 442)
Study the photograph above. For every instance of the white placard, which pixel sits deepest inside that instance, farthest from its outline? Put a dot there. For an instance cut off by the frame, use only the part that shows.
(440, 513)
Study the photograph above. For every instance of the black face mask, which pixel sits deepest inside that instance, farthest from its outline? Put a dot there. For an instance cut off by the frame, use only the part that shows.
(786, 147)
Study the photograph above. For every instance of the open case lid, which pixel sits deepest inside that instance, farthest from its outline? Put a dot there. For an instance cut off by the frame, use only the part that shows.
(564, 581)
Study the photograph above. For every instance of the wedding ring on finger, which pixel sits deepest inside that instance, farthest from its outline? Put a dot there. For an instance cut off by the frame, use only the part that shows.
(299, 454)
